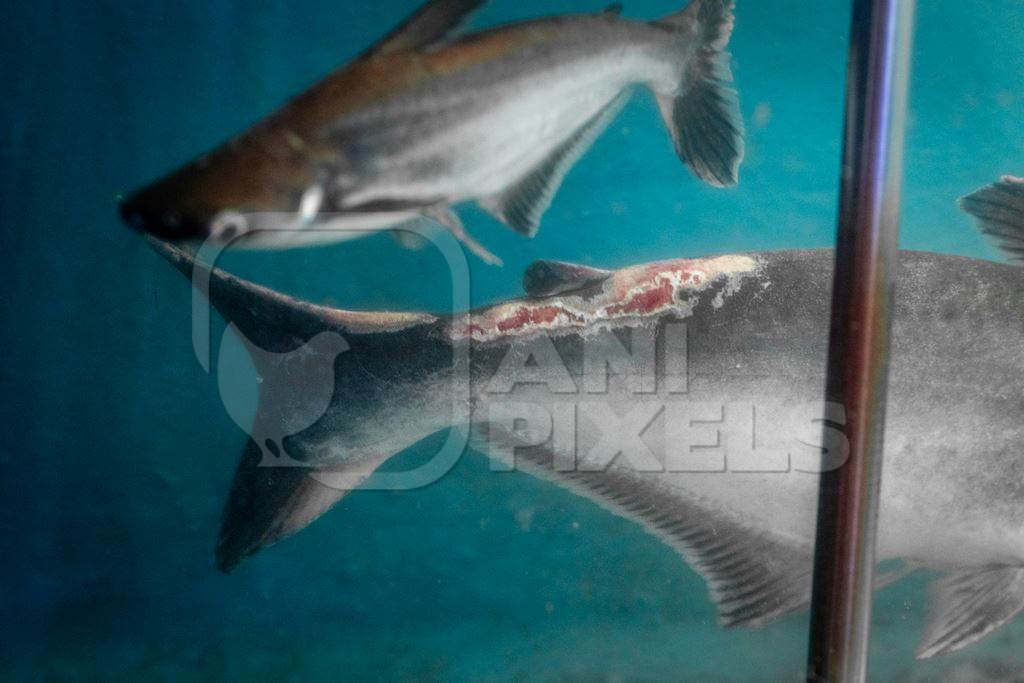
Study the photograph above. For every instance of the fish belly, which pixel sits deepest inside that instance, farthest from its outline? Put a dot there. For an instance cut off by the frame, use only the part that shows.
(745, 452)
(749, 449)
(277, 230)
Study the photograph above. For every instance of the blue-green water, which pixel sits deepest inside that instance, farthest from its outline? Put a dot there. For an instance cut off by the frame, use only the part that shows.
(117, 452)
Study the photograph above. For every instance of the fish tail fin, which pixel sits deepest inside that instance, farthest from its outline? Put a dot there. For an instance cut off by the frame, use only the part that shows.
(702, 112)
(999, 209)
(306, 449)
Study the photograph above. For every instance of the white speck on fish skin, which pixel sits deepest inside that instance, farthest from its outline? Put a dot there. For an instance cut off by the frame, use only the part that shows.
(732, 285)
(686, 308)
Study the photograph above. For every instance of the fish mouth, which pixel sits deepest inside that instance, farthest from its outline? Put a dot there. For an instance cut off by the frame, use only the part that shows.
(167, 225)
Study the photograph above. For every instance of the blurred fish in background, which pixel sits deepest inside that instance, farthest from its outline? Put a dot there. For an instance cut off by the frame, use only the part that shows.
(423, 121)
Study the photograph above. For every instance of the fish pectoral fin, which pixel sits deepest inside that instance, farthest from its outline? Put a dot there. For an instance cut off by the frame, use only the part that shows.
(967, 605)
(547, 278)
(433, 23)
(753, 576)
(999, 209)
(413, 240)
(521, 205)
(448, 219)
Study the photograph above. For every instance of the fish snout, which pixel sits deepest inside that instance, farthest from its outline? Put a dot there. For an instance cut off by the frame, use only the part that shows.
(165, 224)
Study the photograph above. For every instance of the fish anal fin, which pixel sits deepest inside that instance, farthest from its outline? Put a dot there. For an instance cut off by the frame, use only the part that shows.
(969, 604)
(430, 25)
(547, 278)
(753, 576)
(521, 205)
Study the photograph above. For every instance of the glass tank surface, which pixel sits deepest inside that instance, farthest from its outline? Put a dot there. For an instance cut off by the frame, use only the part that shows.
(529, 384)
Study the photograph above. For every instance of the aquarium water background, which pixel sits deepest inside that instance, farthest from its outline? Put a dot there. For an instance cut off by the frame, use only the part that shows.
(117, 452)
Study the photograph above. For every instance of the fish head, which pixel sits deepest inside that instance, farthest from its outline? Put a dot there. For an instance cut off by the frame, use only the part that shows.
(249, 192)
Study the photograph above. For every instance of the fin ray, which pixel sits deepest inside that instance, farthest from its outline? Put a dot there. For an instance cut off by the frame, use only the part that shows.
(968, 605)
(999, 210)
(754, 577)
(703, 117)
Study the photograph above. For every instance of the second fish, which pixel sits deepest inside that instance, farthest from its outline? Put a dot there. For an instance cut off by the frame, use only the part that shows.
(422, 121)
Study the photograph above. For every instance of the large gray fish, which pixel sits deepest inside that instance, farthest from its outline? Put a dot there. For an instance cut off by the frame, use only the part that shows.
(423, 121)
(750, 362)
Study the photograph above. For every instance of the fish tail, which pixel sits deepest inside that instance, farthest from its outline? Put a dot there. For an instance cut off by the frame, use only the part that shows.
(702, 112)
(290, 473)
(999, 209)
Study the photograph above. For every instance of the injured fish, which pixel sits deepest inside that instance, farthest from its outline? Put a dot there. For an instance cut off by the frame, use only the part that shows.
(684, 395)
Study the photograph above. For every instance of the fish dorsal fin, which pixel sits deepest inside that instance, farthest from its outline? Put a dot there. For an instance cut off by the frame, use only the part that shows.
(967, 605)
(753, 576)
(999, 208)
(431, 24)
(521, 205)
(547, 278)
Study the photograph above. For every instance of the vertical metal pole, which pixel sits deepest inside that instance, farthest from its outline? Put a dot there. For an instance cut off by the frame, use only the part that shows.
(862, 300)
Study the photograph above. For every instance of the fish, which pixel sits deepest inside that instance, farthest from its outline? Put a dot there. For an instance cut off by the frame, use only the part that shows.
(684, 395)
(425, 120)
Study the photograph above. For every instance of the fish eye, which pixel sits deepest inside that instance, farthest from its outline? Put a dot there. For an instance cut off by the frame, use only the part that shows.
(228, 225)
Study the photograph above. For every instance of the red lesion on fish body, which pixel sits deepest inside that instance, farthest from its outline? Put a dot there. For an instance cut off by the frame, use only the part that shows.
(474, 331)
(517, 319)
(655, 290)
(533, 316)
(644, 301)
(631, 294)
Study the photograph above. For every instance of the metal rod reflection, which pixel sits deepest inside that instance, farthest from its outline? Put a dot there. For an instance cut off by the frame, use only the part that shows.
(862, 299)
